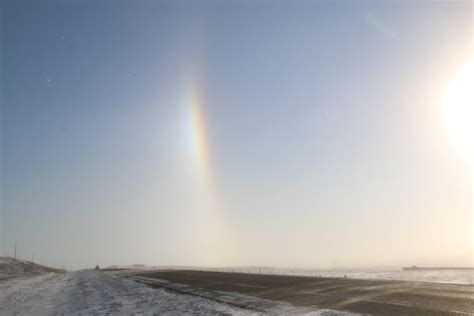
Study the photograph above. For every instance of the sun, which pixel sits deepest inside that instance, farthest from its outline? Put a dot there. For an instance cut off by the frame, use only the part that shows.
(458, 111)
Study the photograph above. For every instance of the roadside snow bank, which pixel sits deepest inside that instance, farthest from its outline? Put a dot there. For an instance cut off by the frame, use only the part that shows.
(29, 295)
(13, 268)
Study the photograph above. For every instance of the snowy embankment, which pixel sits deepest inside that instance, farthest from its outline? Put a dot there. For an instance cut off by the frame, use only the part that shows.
(12, 268)
(94, 292)
(90, 292)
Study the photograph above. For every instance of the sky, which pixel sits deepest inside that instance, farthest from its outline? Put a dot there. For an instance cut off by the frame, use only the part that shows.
(277, 133)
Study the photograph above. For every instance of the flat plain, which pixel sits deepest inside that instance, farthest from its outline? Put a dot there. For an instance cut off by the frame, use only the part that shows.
(377, 297)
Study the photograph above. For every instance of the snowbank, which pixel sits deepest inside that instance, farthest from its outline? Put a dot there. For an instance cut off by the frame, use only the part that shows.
(12, 268)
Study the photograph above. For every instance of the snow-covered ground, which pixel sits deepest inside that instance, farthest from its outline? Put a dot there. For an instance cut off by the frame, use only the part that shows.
(434, 276)
(95, 293)
(11, 268)
(90, 292)
(451, 276)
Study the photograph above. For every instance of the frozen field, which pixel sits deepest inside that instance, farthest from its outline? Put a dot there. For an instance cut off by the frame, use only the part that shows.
(30, 289)
(368, 297)
(435, 276)
(90, 292)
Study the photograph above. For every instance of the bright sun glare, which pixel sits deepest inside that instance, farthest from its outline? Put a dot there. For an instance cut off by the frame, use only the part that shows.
(458, 111)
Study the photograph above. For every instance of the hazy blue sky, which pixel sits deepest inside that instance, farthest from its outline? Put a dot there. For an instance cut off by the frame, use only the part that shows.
(324, 136)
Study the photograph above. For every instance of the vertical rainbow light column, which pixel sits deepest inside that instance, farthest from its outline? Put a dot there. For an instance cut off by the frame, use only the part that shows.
(211, 235)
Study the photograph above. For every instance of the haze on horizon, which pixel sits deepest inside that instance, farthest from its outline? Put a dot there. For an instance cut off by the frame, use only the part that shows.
(305, 134)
